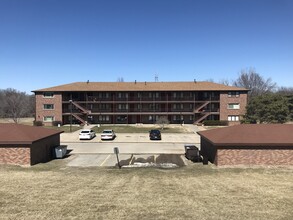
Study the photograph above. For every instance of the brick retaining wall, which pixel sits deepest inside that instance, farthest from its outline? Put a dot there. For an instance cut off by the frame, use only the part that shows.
(15, 155)
(254, 157)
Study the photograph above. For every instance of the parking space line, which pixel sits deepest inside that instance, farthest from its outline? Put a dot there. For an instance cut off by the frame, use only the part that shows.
(131, 159)
(105, 160)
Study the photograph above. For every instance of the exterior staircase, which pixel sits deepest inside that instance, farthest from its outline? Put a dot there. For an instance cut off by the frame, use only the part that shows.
(79, 118)
(205, 115)
(197, 110)
(85, 111)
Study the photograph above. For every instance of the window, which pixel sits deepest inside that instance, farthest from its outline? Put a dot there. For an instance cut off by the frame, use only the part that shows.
(122, 95)
(123, 106)
(104, 95)
(234, 106)
(104, 118)
(138, 106)
(104, 106)
(233, 118)
(48, 94)
(177, 106)
(154, 106)
(48, 106)
(233, 94)
(48, 118)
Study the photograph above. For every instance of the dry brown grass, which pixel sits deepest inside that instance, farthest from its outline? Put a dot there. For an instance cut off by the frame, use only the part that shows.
(54, 191)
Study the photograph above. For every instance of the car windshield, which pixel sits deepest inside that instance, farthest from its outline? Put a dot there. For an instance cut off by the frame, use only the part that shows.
(85, 132)
(155, 131)
(107, 132)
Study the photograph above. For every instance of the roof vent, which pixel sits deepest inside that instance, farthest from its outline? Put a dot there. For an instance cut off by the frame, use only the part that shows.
(145, 82)
(87, 81)
(135, 82)
(194, 80)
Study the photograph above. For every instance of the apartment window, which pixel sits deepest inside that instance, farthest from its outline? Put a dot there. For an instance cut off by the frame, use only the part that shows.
(123, 106)
(233, 118)
(104, 106)
(48, 94)
(122, 95)
(234, 106)
(48, 118)
(104, 118)
(191, 118)
(190, 106)
(233, 94)
(154, 95)
(177, 106)
(121, 118)
(138, 95)
(154, 106)
(48, 106)
(104, 95)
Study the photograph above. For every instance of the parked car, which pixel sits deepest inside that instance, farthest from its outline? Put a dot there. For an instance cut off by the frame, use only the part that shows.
(86, 134)
(155, 135)
(108, 135)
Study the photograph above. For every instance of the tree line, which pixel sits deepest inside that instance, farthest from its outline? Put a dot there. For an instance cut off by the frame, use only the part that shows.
(15, 104)
(267, 103)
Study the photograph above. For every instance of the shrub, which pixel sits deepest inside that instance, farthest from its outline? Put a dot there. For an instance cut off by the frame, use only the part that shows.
(38, 123)
(215, 123)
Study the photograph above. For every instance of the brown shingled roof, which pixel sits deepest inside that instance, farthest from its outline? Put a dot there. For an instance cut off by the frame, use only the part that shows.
(251, 135)
(23, 134)
(141, 86)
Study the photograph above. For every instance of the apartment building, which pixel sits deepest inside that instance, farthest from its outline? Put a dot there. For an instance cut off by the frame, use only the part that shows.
(140, 102)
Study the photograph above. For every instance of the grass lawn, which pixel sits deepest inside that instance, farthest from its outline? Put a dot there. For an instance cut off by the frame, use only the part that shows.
(124, 128)
(140, 129)
(54, 191)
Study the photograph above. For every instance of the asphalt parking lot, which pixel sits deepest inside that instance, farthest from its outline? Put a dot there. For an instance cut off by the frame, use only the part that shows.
(135, 149)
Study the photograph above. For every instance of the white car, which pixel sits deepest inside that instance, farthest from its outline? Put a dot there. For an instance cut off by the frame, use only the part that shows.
(108, 135)
(86, 134)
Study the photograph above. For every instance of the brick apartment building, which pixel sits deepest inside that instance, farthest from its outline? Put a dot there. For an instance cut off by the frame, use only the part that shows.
(140, 102)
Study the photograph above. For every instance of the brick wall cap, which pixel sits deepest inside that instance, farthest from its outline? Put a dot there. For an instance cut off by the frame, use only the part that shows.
(24, 134)
(257, 135)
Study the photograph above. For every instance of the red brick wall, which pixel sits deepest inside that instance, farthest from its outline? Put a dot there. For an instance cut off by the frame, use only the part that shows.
(15, 155)
(56, 112)
(225, 100)
(254, 157)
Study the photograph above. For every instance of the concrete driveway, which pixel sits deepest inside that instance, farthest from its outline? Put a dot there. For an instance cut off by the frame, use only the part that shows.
(131, 146)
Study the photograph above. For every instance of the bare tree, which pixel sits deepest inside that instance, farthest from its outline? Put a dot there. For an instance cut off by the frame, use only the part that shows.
(225, 82)
(162, 121)
(285, 90)
(255, 83)
(16, 104)
(120, 79)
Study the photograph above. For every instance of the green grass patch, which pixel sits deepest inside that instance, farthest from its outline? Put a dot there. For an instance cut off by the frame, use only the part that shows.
(66, 129)
(138, 129)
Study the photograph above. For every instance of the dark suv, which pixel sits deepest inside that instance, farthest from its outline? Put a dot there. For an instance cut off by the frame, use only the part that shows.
(155, 135)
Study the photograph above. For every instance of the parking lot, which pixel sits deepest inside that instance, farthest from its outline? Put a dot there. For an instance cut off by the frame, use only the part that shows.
(135, 149)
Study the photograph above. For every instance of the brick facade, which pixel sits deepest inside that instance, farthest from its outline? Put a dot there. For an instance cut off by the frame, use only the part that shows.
(15, 155)
(249, 156)
(225, 112)
(223, 156)
(56, 100)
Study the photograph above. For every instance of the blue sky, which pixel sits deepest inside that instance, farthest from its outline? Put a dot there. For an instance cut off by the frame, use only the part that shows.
(44, 43)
